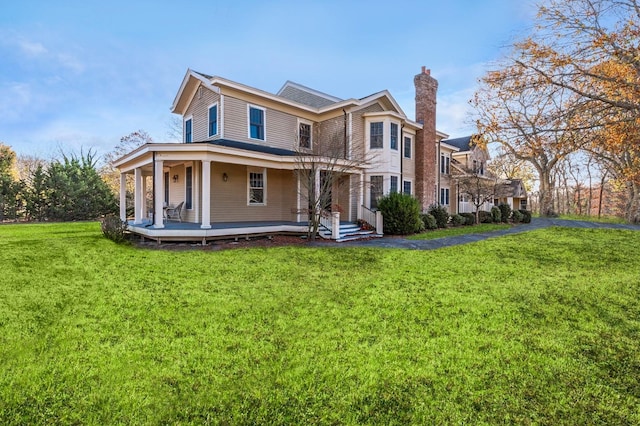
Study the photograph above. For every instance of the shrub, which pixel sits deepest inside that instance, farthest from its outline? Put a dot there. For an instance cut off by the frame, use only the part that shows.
(496, 214)
(484, 217)
(517, 216)
(114, 229)
(470, 218)
(429, 221)
(458, 220)
(401, 213)
(441, 215)
(505, 209)
(526, 216)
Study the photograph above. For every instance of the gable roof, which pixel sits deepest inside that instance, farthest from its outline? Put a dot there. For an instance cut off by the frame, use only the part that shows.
(514, 188)
(305, 95)
(463, 144)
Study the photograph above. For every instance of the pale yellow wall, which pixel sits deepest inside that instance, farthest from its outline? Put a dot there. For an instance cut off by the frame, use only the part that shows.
(199, 111)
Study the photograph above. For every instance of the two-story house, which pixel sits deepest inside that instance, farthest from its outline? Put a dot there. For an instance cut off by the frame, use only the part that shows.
(237, 170)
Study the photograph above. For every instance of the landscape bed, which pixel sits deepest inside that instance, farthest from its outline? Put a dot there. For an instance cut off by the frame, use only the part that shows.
(535, 328)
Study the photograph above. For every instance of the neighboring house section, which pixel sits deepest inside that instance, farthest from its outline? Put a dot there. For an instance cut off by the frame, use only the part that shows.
(513, 193)
(241, 151)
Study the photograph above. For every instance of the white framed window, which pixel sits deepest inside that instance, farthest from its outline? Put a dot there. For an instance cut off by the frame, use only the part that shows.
(256, 121)
(213, 120)
(445, 164)
(188, 130)
(444, 196)
(393, 136)
(188, 202)
(305, 131)
(375, 190)
(406, 187)
(257, 187)
(393, 184)
(407, 147)
(376, 134)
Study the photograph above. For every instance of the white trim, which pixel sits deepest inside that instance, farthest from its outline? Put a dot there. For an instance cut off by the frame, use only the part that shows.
(184, 128)
(298, 86)
(310, 123)
(185, 80)
(221, 125)
(398, 136)
(404, 144)
(408, 181)
(264, 183)
(264, 122)
(217, 105)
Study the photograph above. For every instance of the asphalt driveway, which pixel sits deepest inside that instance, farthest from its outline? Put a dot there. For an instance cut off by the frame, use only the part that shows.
(536, 223)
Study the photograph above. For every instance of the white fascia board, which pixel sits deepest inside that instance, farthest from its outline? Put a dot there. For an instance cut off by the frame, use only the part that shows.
(451, 147)
(191, 74)
(442, 135)
(138, 152)
(400, 117)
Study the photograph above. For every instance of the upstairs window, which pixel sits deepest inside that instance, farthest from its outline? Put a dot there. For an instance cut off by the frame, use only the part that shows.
(304, 134)
(376, 134)
(257, 188)
(213, 120)
(187, 131)
(394, 136)
(445, 164)
(256, 123)
(394, 184)
(407, 147)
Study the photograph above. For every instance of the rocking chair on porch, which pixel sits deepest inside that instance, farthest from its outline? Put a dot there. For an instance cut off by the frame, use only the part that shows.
(173, 213)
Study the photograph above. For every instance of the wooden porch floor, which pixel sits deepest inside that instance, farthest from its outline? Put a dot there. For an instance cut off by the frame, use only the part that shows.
(186, 231)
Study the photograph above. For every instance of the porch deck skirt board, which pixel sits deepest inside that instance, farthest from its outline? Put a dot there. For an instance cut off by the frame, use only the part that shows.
(183, 231)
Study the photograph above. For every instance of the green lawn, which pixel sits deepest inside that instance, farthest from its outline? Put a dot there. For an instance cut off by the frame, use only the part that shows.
(602, 219)
(480, 228)
(535, 328)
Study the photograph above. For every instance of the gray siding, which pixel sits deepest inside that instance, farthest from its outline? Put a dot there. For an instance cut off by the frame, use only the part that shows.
(199, 110)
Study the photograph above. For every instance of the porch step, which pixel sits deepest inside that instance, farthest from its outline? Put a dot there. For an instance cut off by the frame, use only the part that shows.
(348, 232)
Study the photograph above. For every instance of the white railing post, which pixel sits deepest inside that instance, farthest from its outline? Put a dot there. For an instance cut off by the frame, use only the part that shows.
(335, 225)
(379, 223)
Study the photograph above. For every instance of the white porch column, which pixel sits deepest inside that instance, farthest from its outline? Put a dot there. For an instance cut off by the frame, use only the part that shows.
(316, 188)
(138, 197)
(144, 197)
(123, 197)
(158, 175)
(206, 194)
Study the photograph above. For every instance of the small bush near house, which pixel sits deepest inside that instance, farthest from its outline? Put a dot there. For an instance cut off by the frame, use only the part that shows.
(470, 218)
(401, 213)
(458, 220)
(496, 214)
(429, 221)
(505, 209)
(114, 229)
(441, 215)
(517, 216)
(526, 216)
(484, 217)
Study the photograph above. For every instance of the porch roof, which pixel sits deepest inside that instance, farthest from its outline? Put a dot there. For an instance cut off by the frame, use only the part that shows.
(251, 147)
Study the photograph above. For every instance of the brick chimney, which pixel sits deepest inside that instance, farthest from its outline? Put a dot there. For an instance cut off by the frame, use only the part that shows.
(426, 161)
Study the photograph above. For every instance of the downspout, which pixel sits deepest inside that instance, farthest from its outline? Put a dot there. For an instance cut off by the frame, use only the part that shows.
(401, 189)
(345, 133)
(438, 162)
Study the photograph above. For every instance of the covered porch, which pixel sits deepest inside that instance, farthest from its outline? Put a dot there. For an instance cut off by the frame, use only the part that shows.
(225, 191)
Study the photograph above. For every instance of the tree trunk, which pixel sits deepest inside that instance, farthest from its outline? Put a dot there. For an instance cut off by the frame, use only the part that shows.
(633, 204)
(546, 194)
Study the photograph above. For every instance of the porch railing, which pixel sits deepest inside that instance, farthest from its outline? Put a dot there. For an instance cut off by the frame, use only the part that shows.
(373, 218)
(331, 221)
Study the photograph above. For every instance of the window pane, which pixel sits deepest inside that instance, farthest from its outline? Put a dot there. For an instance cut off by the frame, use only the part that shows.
(189, 188)
(375, 190)
(256, 123)
(394, 136)
(166, 188)
(407, 187)
(213, 120)
(305, 135)
(256, 188)
(394, 184)
(407, 147)
(376, 135)
(187, 131)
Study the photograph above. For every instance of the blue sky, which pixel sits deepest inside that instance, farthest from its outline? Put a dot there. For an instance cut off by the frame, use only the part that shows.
(81, 74)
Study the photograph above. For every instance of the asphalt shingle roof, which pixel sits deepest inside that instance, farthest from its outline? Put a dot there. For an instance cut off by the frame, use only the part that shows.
(251, 147)
(464, 143)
